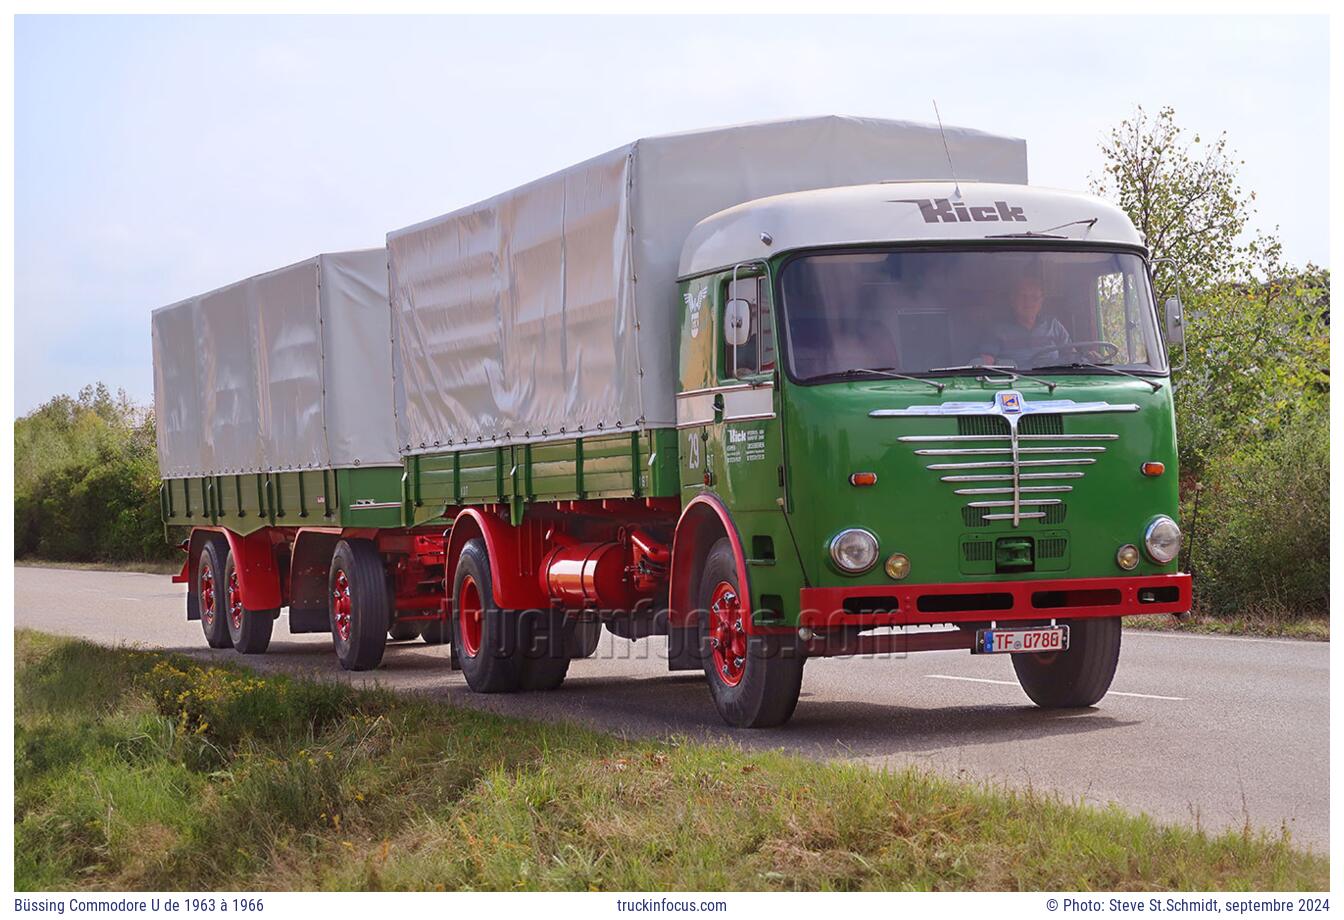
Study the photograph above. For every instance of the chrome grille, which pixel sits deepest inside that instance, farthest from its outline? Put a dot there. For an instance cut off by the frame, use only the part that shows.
(1026, 492)
(1011, 441)
(1020, 456)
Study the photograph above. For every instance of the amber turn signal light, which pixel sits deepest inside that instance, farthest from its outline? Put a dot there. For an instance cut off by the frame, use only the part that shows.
(1153, 468)
(863, 479)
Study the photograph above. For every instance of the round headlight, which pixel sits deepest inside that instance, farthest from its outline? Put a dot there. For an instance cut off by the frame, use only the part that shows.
(1127, 556)
(854, 550)
(1162, 539)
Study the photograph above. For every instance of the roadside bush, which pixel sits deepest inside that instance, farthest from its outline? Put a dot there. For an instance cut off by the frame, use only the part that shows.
(86, 481)
(1261, 541)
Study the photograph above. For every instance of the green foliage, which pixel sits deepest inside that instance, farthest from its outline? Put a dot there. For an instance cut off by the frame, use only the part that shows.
(1261, 541)
(296, 785)
(86, 480)
(1252, 403)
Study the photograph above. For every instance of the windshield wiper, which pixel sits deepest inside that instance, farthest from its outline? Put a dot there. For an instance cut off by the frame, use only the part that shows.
(1043, 234)
(885, 372)
(998, 369)
(1103, 367)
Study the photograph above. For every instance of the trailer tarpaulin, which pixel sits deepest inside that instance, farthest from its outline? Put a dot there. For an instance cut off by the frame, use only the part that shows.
(550, 311)
(288, 370)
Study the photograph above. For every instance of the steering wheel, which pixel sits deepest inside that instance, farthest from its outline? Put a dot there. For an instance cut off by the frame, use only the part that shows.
(1101, 349)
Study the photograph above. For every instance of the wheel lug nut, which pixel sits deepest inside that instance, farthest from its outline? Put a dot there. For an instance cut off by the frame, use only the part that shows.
(738, 662)
(738, 626)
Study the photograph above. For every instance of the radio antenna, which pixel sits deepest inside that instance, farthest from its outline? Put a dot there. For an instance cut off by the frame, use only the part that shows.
(956, 186)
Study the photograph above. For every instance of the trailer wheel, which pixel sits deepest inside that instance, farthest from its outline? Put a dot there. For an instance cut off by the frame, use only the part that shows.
(754, 679)
(1078, 677)
(545, 659)
(485, 638)
(249, 630)
(402, 632)
(437, 632)
(210, 590)
(360, 607)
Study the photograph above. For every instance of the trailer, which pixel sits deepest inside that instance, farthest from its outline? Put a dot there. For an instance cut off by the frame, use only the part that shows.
(775, 391)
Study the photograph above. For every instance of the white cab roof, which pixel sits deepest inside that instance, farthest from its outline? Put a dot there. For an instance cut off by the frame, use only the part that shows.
(898, 212)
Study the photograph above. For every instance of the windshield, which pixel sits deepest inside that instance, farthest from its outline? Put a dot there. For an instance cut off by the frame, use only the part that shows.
(921, 311)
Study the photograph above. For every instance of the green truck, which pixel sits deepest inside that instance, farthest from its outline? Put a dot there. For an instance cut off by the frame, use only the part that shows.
(820, 387)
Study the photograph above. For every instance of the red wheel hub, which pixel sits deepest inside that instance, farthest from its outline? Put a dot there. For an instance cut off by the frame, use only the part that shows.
(235, 602)
(206, 590)
(341, 605)
(469, 616)
(727, 637)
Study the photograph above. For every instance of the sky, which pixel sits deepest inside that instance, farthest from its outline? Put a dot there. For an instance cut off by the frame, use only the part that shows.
(159, 157)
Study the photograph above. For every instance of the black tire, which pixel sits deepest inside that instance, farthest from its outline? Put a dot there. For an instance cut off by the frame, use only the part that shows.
(404, 632)
(211, 594)
(437, 632)
(485, 638)
(249, 630)
(546, 657)
(1078, 677)
(765, 691)
(359, 604)
(584, 637)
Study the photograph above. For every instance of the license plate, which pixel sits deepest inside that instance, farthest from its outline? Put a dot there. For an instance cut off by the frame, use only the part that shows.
(1036, 639)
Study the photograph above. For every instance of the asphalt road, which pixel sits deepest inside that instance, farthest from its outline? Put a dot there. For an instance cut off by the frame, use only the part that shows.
(1213, 731)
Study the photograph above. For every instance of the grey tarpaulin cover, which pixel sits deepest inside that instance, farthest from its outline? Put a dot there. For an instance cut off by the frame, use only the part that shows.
(283, 371)
(552, 308)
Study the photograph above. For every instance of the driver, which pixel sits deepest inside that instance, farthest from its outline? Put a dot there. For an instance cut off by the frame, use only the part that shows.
(1025, 335)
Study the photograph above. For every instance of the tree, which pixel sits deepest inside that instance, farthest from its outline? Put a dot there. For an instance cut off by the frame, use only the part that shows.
(1184, 198)
(1257, 329)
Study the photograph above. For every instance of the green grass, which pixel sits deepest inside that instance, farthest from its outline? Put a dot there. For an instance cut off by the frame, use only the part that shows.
(1253, 623)
(150, 566)
(137, 770)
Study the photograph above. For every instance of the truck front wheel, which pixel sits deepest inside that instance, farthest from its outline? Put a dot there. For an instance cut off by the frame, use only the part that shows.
(1077, 677)
(249, 630)
(211, 595)
(485, 638)
(360, 605)
(754, 679)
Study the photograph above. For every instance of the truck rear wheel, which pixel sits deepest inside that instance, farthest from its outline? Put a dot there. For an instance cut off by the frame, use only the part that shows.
(210, 590)
(249, 630)
(485, 638)
(583, 640)
(360, 606)
(754, 679)
(1077, 677)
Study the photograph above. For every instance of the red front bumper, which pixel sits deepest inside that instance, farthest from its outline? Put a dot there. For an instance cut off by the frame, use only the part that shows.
(1000, 601)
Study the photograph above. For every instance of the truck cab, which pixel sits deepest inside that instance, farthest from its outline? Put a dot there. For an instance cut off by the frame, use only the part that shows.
(933, 403)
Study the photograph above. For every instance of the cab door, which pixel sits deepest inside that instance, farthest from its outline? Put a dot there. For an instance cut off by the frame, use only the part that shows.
(728, 407)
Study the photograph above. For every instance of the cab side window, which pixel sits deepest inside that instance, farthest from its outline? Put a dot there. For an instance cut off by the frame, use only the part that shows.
(756, 355)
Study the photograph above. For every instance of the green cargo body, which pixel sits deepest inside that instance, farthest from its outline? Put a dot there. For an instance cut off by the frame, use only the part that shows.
(428, 486)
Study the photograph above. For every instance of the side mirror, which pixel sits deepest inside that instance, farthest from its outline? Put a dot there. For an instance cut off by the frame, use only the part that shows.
(1175, 321)
(736, 322)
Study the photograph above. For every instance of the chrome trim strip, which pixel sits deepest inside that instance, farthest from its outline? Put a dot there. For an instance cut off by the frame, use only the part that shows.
(1007, 477)
(971, 451)
(727, 388)
(1015, 502)
(696, 410)
(1042, 407)
(1005, 437)
(1015, 517)
(997, 491)
(990, 464)
(758, 402)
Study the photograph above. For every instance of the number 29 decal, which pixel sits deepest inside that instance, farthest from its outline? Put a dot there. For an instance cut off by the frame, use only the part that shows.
(693, 450)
